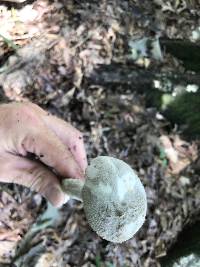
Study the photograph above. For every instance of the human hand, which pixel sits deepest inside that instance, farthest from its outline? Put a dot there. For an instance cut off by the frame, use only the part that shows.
(26, 128)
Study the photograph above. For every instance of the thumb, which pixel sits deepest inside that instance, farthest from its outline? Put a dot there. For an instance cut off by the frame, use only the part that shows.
(32, 174)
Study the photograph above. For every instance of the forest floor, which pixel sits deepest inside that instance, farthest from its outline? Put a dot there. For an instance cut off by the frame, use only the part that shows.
(48, 49)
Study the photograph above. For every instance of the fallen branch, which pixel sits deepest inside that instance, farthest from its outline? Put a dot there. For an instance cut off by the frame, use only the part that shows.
(125, 75)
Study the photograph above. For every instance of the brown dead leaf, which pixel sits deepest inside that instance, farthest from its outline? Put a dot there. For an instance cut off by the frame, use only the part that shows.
(15, 219)
(46, 260)
(9, 235)
(179, 152)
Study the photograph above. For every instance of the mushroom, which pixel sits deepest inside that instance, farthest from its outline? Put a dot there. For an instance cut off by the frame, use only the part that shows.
(113, 196)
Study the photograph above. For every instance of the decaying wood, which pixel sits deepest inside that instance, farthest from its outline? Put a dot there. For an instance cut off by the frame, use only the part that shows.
(125, 75)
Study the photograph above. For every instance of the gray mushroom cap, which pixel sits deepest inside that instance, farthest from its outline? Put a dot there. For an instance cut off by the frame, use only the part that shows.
(114, 198)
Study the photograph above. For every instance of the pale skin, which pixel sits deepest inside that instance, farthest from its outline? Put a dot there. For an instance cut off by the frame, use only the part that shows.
(26, 128)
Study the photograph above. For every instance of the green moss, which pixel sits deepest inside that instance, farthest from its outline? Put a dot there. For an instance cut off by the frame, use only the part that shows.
(185, 110)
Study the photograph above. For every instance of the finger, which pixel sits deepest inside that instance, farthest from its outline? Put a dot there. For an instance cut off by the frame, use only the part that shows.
(34, 175)
(70, 136)
(52, 152)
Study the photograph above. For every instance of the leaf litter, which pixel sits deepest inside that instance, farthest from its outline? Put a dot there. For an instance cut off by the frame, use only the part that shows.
(60, 45)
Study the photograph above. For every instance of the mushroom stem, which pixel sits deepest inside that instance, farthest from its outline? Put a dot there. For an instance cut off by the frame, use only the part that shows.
(73, 187)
